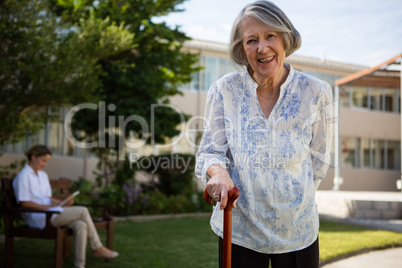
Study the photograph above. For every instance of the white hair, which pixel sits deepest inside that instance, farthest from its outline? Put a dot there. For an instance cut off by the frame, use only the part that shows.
(274, 18)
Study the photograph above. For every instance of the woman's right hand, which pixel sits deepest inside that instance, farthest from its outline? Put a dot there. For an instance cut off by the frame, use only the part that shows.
(219, 184)
(70, 202)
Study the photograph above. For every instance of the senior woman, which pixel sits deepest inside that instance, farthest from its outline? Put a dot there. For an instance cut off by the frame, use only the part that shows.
(267, 131)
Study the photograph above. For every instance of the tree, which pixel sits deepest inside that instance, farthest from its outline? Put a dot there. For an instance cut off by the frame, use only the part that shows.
(67, 52)
(46, 61)
(141, 79)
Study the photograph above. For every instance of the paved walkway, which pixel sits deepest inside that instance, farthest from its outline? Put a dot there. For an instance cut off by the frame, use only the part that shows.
(388, 258)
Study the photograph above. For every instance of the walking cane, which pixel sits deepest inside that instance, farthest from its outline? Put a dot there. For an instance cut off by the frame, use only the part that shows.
(233, 194)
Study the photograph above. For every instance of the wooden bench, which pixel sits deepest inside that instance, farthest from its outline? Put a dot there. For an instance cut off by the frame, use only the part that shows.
(61, 236)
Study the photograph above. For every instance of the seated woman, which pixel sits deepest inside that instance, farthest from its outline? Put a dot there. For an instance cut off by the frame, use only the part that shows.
(32, 190)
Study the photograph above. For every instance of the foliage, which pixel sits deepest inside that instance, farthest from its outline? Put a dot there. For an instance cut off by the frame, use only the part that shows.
(46, 61)
(87, 194)
(174, 172)
(135, 199)
(125, 173)
(131, 89)
(155, 202)
(109, 53)
(173, 191)
(66, 52)
(11, 170)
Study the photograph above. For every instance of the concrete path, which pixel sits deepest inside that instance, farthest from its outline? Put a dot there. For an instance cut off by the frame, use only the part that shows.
(388, 258)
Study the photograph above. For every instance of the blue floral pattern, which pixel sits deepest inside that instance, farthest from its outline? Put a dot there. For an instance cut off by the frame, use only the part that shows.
(276, 162)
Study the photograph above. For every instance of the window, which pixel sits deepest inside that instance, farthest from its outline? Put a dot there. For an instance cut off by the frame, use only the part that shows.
(390, 100)
(367, 155)
(370, 153)
(53, 136)
(393, 155)
(329, 78)
(195, 81)
(379, 154)
(193, 85)
(360, 97)
(376, 99)
(349, 152)
(37, 138)
(345, 97)
(215, 68)
(56, 132)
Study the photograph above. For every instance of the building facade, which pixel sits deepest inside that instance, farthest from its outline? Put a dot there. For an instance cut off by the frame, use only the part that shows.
(369, 118)
(369, 125)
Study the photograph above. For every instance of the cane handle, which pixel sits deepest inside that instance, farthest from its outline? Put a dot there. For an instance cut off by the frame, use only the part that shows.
(233, 194)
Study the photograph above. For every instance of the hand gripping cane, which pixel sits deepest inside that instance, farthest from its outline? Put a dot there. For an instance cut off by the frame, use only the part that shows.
(233, 194)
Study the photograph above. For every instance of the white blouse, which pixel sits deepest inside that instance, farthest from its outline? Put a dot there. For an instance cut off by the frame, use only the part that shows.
(276, 162)
(29, 186)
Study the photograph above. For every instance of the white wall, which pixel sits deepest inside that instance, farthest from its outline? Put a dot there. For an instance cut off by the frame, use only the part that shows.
(58, 166)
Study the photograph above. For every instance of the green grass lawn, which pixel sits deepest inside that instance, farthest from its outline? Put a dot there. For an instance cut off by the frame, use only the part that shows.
(340, 239)
(189, 242)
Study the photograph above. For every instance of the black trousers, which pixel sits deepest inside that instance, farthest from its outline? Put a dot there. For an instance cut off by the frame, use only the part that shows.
(247, 258)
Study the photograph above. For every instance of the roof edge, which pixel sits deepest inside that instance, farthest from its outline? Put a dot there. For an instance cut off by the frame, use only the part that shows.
(359, 75)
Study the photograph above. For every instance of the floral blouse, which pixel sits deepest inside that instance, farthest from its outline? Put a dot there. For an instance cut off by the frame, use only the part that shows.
(276, 162)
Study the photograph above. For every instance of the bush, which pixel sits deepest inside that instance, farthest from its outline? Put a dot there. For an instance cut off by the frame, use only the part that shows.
(175, 173)
(173, 191)
(9, 171)
(158, 203)
(86, 191)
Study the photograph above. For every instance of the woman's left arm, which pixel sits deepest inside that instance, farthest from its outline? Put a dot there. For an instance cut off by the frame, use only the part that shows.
(56, 202)
(322, 135)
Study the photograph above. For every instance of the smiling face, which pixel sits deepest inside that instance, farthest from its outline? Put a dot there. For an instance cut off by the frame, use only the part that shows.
(263, 48)
(39, 162)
